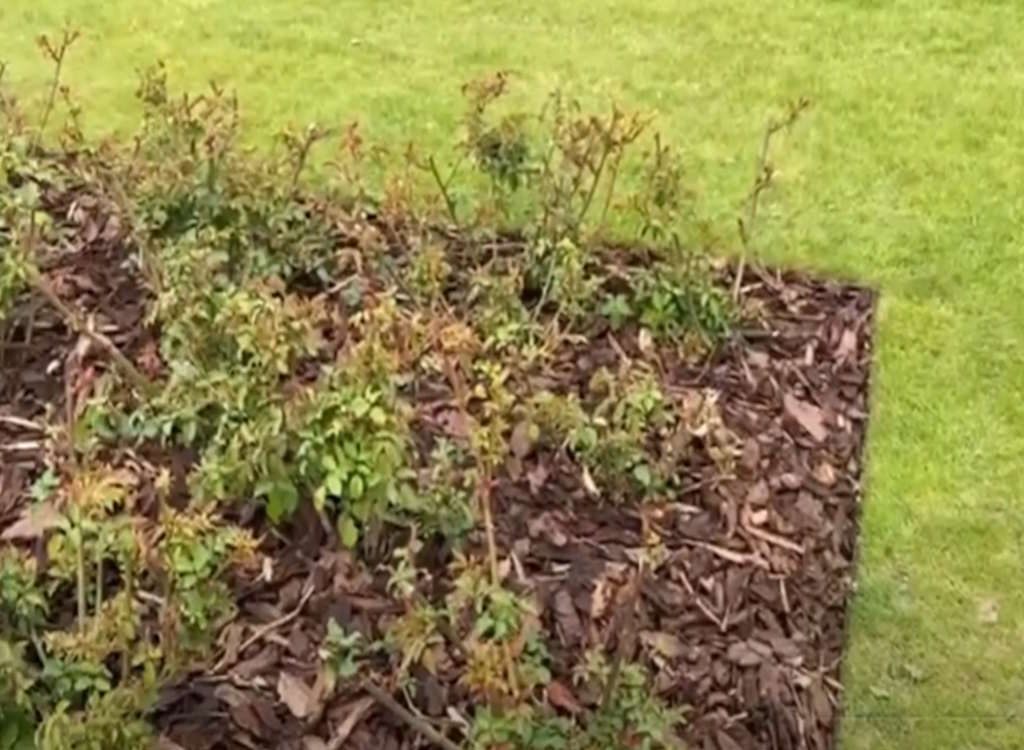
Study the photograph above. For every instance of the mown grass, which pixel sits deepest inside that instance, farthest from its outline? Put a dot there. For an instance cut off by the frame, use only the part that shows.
(906, 175)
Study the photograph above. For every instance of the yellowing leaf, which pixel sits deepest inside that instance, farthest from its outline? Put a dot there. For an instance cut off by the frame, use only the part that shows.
(348, 531)
(34, 522)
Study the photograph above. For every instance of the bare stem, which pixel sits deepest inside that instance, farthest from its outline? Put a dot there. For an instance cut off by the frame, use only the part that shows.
(593, 186)
(763, 176)
(129, 589)
(611, 190)
(623, 627)
(80, 570)
(56, 54)
(442, 185)
(312, 136)
(98, 603)
(484, 498)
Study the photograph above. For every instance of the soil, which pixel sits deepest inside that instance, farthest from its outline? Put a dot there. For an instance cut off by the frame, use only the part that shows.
(741, 621)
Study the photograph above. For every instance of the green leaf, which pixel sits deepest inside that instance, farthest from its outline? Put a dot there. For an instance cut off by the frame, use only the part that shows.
(642, 473)
(320, 498)
(333, 484)
(348, 531)
(360, 406)
(378, 416)
(356, 487)
(282, 500)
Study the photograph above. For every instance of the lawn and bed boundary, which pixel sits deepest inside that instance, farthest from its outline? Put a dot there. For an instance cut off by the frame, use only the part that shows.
(890, 181)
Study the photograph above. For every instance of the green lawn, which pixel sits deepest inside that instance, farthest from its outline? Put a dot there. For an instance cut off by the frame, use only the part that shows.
(908, 174)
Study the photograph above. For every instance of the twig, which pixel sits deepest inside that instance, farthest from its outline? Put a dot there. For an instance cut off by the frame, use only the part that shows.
(74, 320)
(779, 541)
(22, 445)
(428, 732)
(270, 627)
(24, 423)
(148, 596)
(783, 594)
(739, 558)
(763, 177)
(701, 604)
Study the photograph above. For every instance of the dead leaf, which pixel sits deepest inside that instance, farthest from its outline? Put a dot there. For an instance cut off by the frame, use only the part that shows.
(589, 484)
(230, 640)
(791, 480)
(725, 742)
(522, 439)
(352, 718)
(847, 344)
(759, 494)
(246, 717)
(645, 341)
(546, 526)
(825, 473)
(820, 703)
(149, 360)
(537, 476)
(34, 522)
(166, 743)
(262, 661)
(229, 694)
(808, 416)
(758, 359)
(454, 423)
(600, 598)
(561, 697)
(568, 618)
(312, 742)
(741, 653)
(296, 695)
(751, 455)
(988, 612)
(664, 643)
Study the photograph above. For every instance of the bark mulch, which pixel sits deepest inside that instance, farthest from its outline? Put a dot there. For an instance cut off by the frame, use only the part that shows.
(741, 620)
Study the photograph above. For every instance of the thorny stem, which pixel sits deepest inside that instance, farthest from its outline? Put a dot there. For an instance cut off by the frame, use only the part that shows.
(56, 54)
(763, 177)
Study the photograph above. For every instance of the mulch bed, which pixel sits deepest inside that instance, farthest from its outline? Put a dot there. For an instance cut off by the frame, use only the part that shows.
(742, 622)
